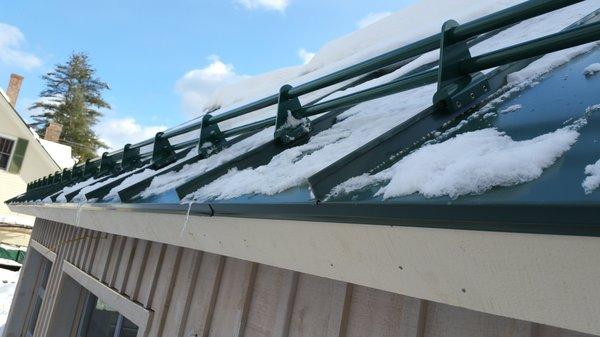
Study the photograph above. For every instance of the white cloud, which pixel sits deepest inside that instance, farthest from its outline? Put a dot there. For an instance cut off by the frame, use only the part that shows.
(305, 55)
(116, 132)
(197, 85)
(372, 18)
(11, 53)
(277, 5)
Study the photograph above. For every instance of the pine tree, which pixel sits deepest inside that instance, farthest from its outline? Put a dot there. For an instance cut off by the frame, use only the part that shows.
(73, 98)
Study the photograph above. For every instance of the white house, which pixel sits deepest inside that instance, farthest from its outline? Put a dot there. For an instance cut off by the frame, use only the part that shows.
(24, 157)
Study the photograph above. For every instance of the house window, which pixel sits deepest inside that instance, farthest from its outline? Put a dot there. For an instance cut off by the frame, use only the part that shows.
(99, 320)
(6, 149)
(40, 291)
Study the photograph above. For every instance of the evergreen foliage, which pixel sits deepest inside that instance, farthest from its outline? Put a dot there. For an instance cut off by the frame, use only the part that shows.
(73, 98)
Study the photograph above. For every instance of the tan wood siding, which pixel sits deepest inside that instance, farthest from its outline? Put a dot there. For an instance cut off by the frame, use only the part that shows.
(194, 293)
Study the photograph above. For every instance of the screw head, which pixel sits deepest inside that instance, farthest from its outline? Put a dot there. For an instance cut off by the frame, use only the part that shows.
(458, 104)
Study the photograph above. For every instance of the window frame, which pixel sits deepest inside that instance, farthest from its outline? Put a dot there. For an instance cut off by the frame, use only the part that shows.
(131, 310)
(41, 286)
(12, 150)
(88, 308)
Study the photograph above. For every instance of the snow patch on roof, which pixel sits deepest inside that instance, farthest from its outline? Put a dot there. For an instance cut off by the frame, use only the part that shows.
(474, 162)
(592, 69)
(113, 194)
(171, 180)
(293, 166)
(470, 163)
(511, 108)
(592, 181)
(59, 152)
(62, 197)
(370, 119)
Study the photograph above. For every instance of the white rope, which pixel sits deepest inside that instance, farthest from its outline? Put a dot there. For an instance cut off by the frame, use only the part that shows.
(187, 218)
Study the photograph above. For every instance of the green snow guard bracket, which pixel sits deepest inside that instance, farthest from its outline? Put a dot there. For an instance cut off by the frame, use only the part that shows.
(457, 90)
(163, 153)
(91, 168)
(289, 124)
(66, 175)
(131, 158)
(108, 164)
(211, 139)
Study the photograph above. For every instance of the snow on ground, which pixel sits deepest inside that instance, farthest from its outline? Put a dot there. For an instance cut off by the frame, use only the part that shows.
(8, 284)
(592, 181)
(591, 69)
(17, 219)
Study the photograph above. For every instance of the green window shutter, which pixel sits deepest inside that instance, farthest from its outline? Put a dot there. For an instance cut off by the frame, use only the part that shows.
(18, 156)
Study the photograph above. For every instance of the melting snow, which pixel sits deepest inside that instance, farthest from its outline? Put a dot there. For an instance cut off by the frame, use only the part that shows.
(171, 180)
(470, 163)
(369, 120)
(8, 284)
(511, 108)
(364, 121)
(591, 69)
(292, 167)
(592, 181)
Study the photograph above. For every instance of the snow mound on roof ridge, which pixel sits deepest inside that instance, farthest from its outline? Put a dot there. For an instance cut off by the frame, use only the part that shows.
(410, 24)
(470, 163)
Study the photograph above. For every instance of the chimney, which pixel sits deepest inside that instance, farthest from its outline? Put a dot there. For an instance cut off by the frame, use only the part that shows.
(53, 131)
(14, 86)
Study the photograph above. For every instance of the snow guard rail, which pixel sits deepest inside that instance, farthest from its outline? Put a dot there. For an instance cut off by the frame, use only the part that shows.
(460, 88)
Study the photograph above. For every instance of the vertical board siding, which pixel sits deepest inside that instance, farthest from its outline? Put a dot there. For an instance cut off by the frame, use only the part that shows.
(198, 294)
(183, 292)
(90, 255)
(164, 289)
(232, 304)
(123, 267)
(136, 271)
(318, 307)
(99, 256)
(272, 302)
(444, 320)
(375, 312)
(206, 291)
(116, 253)
(151, 272)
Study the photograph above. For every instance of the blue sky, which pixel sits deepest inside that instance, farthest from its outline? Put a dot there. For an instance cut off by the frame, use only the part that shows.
(142, 48)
